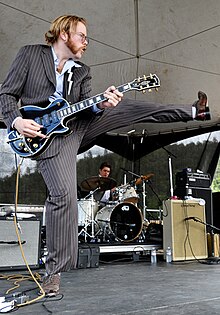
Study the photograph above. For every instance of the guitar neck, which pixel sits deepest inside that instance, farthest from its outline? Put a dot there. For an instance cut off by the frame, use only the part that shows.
(89, 102)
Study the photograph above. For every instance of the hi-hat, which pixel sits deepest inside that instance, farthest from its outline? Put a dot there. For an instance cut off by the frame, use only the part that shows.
(142, 178)
(103, 183)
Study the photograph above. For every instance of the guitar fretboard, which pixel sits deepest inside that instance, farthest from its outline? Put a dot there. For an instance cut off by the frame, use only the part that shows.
(72, 109)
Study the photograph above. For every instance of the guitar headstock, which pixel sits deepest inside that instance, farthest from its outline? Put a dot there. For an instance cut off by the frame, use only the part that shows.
(146, 83)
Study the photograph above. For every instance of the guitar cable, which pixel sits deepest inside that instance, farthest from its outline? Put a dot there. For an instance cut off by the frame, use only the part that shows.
(42, 293)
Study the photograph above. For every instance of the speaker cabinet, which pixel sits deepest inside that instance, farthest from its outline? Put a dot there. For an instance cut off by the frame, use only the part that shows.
(216, 210)
(187, 238)
(11, 256)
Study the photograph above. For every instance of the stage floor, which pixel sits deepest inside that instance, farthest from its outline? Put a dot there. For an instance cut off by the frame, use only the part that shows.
(121, 285)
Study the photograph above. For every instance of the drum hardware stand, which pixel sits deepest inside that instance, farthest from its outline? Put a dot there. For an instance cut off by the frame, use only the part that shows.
(91, 221)
(105, 231)
(143, 193)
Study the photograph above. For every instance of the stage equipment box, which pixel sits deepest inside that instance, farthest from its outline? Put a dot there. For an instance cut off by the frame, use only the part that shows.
(30, 232)
(88, 257)
(187, 238)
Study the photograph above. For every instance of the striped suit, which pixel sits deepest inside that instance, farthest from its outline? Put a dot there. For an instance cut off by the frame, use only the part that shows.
(32, 79)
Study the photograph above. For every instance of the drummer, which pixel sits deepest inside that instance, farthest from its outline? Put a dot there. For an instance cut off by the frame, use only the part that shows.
(103, 197)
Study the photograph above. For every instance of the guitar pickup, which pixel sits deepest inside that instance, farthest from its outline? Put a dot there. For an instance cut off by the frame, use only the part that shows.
(46, 120)
(54, 117)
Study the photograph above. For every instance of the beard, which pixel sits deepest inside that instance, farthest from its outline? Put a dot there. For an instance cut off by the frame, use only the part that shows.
(76, 51)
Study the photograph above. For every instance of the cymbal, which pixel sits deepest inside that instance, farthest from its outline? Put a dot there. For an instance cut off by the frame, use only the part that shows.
(103, 183)
(144, 177)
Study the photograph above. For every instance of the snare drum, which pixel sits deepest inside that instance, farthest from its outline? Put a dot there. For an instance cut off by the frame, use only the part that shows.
(124, 221)
(86, 207)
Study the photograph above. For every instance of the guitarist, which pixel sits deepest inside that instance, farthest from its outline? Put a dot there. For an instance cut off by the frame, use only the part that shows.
(42, 73)
(39, 74)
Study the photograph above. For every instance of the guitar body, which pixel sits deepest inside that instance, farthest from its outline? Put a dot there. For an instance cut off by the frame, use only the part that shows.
(56, 114)
(53, 124)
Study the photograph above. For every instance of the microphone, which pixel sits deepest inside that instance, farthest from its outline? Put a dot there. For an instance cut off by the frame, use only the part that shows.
(123, 169)
(189, 218)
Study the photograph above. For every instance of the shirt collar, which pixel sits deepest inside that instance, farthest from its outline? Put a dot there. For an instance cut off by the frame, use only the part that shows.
(69, 64)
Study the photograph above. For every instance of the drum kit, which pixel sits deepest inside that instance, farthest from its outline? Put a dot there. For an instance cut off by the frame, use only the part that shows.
(119, 220)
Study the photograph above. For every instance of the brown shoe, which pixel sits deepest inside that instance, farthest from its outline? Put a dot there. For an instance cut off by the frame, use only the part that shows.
(202, 109)
(51, 285)
(202, 102)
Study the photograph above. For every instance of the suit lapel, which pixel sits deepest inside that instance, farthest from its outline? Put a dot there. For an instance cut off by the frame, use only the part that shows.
(71, 77)
(48, 62)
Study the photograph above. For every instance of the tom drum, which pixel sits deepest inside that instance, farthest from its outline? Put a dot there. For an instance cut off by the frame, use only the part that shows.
(129, 194)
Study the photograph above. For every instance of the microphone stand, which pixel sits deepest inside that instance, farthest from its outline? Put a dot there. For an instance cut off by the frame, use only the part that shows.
(213, 258)
(154, 192)
(170, 155)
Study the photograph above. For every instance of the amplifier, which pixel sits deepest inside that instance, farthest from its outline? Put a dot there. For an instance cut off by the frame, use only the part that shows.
(30, 231)
(186, 238)
(193, 179)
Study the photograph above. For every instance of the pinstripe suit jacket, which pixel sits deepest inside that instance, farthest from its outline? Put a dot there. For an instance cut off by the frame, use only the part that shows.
(32, 80)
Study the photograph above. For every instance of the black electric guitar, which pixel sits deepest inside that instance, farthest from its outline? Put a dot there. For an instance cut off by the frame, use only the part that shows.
(58, 112)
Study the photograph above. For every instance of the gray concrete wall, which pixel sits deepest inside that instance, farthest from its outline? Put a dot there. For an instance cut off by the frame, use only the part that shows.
(178, 40)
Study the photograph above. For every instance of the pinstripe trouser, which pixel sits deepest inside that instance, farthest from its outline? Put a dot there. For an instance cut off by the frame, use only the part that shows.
(59, 173)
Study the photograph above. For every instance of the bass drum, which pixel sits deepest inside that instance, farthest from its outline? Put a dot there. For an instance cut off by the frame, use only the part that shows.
(124, 221)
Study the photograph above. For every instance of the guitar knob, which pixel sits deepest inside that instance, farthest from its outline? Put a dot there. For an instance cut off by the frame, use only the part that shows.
(20, 144)
(26, 149)
(35, 145)
(29, 139)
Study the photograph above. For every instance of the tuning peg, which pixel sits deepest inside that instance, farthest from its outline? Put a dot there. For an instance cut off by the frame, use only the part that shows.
(151, 76)
(143, 91)
(145, 77)
(150, 90)
(156, 89)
